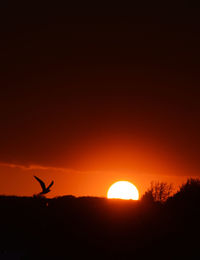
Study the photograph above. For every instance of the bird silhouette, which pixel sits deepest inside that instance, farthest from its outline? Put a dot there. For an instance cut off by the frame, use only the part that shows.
(43, 186)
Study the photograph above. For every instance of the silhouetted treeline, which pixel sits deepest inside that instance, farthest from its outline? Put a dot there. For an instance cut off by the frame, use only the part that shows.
(98, 228)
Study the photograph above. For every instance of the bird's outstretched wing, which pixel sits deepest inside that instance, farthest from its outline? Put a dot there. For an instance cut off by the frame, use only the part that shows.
(50, 185)
(41, 182)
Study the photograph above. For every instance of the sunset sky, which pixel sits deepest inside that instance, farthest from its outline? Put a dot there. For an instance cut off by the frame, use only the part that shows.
(92, 95)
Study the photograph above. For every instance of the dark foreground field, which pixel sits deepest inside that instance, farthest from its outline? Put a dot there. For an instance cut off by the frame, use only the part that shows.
(97, 228)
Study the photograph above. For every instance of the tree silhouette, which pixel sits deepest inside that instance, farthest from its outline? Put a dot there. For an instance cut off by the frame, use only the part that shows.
(158, 191)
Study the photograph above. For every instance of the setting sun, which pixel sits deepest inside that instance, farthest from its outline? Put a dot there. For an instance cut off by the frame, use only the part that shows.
(123, 190)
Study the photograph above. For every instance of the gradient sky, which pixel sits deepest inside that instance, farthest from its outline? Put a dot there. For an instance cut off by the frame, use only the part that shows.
(91, 95)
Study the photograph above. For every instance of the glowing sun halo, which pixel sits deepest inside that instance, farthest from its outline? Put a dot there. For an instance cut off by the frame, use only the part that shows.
(123, 190)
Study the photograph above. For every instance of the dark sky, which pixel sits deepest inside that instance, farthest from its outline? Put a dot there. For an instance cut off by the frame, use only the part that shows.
(100, 87)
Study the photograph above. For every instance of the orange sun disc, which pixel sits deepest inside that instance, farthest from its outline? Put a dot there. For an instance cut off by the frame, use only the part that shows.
(123, 190)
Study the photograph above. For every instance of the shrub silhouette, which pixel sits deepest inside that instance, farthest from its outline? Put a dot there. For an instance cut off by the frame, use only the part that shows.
(191, 188)
(188, 194)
